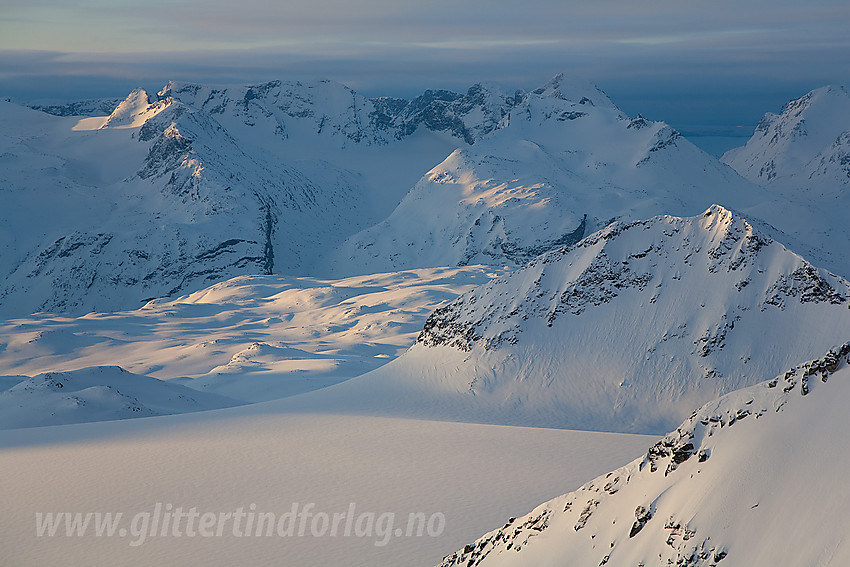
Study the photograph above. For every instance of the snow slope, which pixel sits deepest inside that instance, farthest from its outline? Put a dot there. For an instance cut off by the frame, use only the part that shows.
(221, 460)
(756, 478)
(250, 338)
(564, 163)
(628, 330)
(172, 203)
(97, 394)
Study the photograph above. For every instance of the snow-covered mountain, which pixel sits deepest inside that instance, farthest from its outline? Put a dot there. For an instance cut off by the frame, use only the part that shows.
(196, 184)
(628, 330)
(174, 191)
(805, 147)
(756, 478)
(564, 163)
(802, 156)
(95, 394)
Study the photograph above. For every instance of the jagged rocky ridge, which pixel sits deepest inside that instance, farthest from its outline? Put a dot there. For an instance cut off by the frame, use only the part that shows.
(732, 251)
(560, 166)
(734, 484)
(626, 330)
(334, 110)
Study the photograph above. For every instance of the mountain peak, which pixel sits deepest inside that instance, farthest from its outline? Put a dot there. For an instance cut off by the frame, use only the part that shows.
(802, 146)
(684, 297)
(135, 110)
(576, 91)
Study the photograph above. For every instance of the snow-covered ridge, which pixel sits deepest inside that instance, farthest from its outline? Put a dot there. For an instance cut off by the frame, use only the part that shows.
(802, 156)
(627, 330)
(700, 494)
(329, 109)
(719, 242)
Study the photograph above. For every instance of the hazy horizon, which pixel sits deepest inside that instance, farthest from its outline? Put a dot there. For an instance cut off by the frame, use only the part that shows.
(705, 69)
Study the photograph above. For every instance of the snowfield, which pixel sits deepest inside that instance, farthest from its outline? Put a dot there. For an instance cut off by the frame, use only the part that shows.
(221, 460)
(251, 338)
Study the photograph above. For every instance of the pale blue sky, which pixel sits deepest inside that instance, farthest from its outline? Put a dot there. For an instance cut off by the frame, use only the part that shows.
(696, 64)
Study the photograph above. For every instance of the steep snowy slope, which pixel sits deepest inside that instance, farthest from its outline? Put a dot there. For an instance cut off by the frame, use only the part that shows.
(97, 394)
(756, 478)
(564, 164)
(148, 218)
(627, 330)
(806, 146)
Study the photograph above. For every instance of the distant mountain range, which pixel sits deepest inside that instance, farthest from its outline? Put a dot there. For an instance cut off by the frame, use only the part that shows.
(174, 191)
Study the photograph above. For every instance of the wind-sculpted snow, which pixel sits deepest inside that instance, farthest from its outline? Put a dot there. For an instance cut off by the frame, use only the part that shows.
(96, 394)
(753, 478)
(251, 338)
(627, 330)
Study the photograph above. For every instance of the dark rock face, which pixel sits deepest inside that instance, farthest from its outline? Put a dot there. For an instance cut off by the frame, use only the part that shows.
(642, 515)
(445, 111)
(93, 107)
